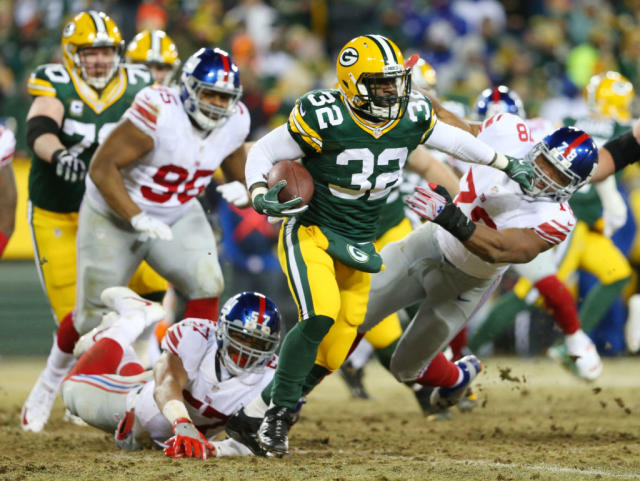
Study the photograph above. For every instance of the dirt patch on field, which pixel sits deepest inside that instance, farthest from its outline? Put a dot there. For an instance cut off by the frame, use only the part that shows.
(555, 428)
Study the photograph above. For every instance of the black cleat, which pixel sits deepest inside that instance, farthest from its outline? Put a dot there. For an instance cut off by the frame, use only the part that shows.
(273, 432)
(244, 429)
(433, 413)
(353, 378)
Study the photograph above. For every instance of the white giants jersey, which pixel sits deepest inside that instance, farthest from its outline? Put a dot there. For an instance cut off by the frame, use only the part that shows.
(489, 196)
(7, 146)
(211, 395)
(180, 165)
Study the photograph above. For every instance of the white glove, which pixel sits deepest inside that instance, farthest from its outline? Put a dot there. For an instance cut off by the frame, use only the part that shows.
(151, 227)
(235, 193)
(614, 210)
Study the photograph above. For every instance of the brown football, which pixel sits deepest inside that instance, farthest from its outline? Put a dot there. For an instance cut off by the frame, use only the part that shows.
(299, 181)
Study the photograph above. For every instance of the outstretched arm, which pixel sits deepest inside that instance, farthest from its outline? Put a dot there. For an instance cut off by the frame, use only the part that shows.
(171, 378)
(495, 246)
(616, 154)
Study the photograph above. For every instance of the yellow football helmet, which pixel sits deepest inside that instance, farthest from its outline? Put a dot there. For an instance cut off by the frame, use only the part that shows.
(373, 78)
(154, 48)
(610, 94)
(423, 76)
(86, 30)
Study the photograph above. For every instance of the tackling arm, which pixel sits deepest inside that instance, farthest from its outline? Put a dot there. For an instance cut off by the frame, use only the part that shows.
(618, 153)
(450, 118)
(495, 246)
(124, 145)
(517, 246)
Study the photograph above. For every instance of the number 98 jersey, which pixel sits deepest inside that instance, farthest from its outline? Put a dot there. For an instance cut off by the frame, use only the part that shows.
(182, 161)
(354, 164)
(88, 119)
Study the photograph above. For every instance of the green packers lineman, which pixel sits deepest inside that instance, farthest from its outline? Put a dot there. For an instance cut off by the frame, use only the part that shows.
(75, 106)
(354, 141)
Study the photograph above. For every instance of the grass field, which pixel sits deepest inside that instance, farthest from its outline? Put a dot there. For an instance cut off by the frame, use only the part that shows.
(535, 422)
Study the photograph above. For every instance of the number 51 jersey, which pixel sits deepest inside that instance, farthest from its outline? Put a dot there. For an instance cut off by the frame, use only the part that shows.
(489, 196)
(183, 159)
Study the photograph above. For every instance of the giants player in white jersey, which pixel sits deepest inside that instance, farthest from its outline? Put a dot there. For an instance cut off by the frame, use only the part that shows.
(207, 372)
(455, 261)
(144, 178)
(8, 191)
(140, 197)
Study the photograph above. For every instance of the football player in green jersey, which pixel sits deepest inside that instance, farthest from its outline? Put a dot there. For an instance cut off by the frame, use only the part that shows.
(354, 141)
(75, 106)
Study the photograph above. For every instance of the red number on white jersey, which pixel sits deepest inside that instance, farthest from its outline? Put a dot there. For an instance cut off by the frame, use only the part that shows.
(468, 197)
(173, 179)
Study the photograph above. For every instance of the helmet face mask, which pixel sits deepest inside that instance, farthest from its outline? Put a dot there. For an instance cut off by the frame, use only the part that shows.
(373, 100)
(373, 78)
(248, 332)
(82, 37)
(98, 65)
(207, 75)
(563, 162)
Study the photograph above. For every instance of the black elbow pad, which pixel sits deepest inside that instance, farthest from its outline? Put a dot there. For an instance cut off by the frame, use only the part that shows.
(624, 150)
(38, 125)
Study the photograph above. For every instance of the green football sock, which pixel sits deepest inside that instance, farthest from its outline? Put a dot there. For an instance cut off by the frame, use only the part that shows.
(501, 316)
(598, 301)
(297, 357)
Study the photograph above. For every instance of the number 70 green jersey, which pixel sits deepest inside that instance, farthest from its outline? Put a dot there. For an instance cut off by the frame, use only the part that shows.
(88, 119)
(354, 164)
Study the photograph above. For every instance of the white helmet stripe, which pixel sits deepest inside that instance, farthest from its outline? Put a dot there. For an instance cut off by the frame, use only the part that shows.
(386, 47)
(101, 28)
(156, 45)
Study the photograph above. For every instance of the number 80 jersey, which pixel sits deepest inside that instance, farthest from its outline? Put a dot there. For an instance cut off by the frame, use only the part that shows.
(183, 159)
(354, 164)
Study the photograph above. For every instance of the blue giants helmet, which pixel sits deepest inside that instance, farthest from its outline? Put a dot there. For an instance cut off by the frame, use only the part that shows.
(573, 153)
(498, 100)
(209, 69)
(248, 332)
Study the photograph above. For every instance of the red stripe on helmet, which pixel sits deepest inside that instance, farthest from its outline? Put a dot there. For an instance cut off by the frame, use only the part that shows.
(261, 309)
(495, 97)
(226, 65)
(575, 143)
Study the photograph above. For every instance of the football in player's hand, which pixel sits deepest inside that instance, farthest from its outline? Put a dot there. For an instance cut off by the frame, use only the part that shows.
(299, 181)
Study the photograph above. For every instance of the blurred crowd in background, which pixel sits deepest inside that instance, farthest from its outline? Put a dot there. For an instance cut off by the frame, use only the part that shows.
(544, 49)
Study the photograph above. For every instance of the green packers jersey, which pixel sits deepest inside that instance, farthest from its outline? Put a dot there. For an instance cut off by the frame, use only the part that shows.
(586, 203)
(354, 164)
(88, 119)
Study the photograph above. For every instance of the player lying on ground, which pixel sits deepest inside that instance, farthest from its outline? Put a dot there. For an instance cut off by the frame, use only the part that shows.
(206, 372)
